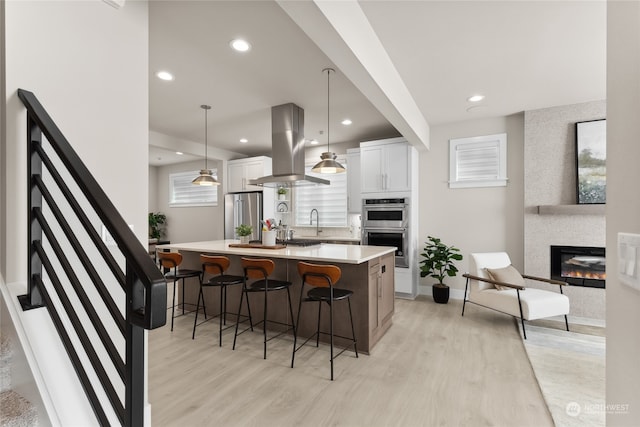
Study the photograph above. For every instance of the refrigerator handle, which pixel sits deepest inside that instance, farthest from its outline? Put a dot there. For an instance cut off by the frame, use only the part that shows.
(238, 213)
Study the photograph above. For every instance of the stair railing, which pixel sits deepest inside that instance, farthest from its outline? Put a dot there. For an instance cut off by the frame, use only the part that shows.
(54, 273)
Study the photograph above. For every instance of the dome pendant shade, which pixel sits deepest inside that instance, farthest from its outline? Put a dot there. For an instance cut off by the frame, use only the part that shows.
(328, 164)
(206, 175)
(205, 178)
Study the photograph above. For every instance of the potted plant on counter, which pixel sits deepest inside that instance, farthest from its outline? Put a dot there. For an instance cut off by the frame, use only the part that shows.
(244, 231)
(282, 193)
(438, 263)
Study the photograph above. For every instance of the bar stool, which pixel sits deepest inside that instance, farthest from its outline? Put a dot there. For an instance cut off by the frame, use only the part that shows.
(217, 265)
(322, 279)
(172, 261)
(259, 270)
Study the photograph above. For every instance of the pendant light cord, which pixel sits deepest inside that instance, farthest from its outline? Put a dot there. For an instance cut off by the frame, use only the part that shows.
(206, 109)
(206, 134)
(328, 103)
(328, 70)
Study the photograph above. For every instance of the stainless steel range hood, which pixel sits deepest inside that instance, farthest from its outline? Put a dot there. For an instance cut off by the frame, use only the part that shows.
(287, 144)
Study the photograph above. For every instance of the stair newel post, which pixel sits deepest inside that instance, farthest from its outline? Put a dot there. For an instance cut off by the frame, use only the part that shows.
(33, 298)
(135, 352)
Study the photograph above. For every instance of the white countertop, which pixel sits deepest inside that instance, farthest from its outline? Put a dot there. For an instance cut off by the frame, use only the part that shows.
(331, 238)
(327, 252)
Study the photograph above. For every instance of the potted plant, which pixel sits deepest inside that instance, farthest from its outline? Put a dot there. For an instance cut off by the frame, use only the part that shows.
(156, 224)
(282, 193)
(438, 263)
(244, 231)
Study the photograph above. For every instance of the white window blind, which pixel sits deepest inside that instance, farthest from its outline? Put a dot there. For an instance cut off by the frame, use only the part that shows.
(479, 161)
(183, 193)
(329, 200)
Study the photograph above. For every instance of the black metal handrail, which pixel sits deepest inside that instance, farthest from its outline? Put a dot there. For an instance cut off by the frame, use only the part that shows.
(142, 282)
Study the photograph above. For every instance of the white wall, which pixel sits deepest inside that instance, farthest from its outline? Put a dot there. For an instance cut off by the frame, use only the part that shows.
(153, 188)
(472, 219)
(87, 62)
(623, 208)
(190, 224)
(3, 145)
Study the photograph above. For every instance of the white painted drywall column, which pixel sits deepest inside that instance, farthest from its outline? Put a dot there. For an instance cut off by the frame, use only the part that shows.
(87, 62)
(623, 209)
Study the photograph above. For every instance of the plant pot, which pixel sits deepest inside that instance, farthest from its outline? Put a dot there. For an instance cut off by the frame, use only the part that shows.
(282, 197)
(440, 293)
(245, 239)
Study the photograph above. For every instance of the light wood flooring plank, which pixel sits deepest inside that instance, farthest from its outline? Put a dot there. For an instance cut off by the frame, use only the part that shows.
(433, 367)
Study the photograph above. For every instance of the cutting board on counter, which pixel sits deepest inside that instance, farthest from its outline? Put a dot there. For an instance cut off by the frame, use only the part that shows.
(255, 246)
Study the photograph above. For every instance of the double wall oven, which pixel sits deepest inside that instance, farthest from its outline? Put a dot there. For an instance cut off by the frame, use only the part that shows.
(385, 222)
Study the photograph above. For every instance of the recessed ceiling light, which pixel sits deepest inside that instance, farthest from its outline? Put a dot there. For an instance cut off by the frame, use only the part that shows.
(240, 45)
(164, 75)
(475, 98)
(475, 108)
(179, 153)
(347, 122)
(243, 140)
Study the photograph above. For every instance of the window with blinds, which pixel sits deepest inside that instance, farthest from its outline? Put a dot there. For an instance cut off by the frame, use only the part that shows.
(183, 193)
(329, 200)
(479, 161)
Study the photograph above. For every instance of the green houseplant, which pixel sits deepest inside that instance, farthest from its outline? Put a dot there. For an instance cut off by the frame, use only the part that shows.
(156, 224)
(244, 231)
(282, 193)
(438, 263)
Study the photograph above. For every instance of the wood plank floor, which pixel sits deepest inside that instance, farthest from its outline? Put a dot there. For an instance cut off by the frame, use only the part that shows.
(433, 367)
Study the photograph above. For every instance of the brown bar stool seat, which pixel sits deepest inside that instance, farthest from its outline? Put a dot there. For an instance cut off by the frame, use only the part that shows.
(322, 279)
(259, 270)
(216, 266)
(172, 261)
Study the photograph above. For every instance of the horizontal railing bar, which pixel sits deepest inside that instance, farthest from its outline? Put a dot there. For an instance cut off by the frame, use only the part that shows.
(73, 355)
(96, 363)
(116, 359)
(115, 312)
(82, 217)
(124, 237)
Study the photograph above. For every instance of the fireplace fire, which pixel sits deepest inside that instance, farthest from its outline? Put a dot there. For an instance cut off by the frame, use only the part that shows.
(579, 265)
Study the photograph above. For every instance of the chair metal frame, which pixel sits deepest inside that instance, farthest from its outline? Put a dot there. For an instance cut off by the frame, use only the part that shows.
(518, 289)
(209, 265)
(262, 283)
(168, 260)
(318, 278)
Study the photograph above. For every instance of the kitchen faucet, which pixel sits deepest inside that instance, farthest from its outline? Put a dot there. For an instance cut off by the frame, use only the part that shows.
(317, 219)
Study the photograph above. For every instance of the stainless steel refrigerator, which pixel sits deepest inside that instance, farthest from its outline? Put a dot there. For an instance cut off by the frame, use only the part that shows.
(243, 208)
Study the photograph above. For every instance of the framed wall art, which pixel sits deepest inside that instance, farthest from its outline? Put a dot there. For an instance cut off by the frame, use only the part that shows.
(591, 162)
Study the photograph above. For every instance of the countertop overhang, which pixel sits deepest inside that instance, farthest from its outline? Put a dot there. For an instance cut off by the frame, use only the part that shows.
(326, 252)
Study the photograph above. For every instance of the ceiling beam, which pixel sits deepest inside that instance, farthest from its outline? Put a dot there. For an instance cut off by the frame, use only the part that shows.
(342, 31)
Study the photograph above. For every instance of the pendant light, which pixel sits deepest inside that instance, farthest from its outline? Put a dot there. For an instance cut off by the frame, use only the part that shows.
(328, 163)
(206, 175)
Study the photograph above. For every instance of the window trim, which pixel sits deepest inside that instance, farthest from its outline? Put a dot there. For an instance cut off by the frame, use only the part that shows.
(191, 175)
(459, 145)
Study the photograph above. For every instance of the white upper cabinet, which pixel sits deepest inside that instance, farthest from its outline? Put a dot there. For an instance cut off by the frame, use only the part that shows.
(240, 171)
(385, 166)
(354, 195)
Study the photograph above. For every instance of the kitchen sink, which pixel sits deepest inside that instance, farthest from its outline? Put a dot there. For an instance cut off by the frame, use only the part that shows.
(299, 242)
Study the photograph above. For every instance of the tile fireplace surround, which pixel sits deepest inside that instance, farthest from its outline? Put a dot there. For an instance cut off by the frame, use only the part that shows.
(549, 179)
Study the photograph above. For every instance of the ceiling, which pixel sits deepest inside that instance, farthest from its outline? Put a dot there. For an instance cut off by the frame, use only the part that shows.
(401, 66)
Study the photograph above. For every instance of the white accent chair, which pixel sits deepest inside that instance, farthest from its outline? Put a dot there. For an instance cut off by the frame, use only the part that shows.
(515, 299)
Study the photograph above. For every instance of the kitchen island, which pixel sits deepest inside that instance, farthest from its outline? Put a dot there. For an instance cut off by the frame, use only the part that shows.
(366, 270)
